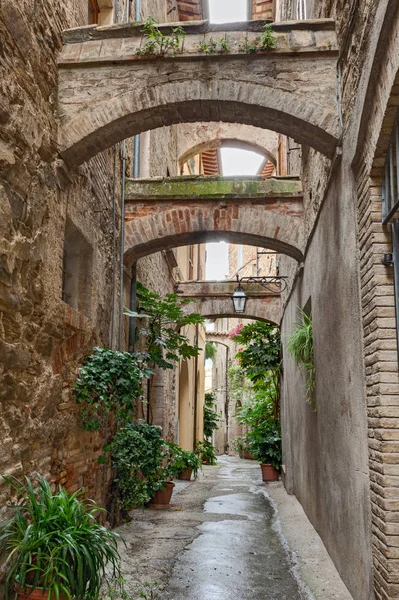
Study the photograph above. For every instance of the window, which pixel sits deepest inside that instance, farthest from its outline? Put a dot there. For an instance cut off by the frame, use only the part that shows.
(93, 12)
(390, 182)
(77, 268)
(228, 11)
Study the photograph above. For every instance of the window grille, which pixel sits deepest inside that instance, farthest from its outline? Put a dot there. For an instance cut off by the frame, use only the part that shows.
(390, 181)
(301, 10)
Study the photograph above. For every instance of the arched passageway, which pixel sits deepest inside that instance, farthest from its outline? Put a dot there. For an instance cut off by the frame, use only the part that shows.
(107, 92)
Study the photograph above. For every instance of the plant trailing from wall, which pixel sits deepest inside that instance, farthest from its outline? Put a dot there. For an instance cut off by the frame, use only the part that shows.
(110, 382)
(55, 543)
(210, 351)
(156, 43)
(211, 417)
(142, 462)
(300, 346)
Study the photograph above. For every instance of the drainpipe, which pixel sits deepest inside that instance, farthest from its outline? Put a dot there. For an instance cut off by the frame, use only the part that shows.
(122, 248)
(136, 142)
(133, 306)
(114, 251)
(195, 388)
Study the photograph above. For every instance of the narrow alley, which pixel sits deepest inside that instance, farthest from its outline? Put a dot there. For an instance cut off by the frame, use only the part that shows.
(228, 535)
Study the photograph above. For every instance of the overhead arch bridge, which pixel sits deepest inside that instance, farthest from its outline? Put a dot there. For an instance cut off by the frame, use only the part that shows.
(213, 300)
(108, 92)
(171, 212)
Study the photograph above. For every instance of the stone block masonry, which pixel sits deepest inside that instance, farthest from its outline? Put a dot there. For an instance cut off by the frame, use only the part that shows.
(107, 91)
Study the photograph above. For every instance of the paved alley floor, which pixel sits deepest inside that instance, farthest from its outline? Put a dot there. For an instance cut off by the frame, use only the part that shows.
(222, 540)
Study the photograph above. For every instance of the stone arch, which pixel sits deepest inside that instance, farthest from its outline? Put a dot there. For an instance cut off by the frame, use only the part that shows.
(182, 226)
(267, 309)
(107, 93)
(202, 137)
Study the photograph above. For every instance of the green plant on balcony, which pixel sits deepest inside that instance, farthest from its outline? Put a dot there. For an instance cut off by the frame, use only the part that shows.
(268, 40)
(209, 47)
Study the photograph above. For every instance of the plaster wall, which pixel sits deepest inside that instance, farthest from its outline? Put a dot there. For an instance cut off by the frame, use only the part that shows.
(325, 452)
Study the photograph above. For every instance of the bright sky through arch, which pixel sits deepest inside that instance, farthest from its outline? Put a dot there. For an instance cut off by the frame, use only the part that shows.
(228, 11)
(234, 162)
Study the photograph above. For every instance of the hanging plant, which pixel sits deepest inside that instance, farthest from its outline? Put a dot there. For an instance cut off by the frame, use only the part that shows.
(300, 346)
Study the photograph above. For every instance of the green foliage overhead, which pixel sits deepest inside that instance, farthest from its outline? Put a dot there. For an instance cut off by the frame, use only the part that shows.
(162, 319)
(210, 350)
(211, 417)
(109, 382)
(300, 346)
(261, 353)
(142, 462)
(206, 452)
(54, 542)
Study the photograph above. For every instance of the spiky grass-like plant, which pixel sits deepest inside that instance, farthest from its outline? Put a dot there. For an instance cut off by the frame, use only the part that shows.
(300, 346)
(54, 542)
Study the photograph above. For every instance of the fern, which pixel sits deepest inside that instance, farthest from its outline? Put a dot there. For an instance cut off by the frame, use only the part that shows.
(300, 346)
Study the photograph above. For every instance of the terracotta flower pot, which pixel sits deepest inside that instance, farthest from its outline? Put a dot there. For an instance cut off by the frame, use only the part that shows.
(269, 473)
(162, 497)
(186, 475)
(33, 593)
(247, 455)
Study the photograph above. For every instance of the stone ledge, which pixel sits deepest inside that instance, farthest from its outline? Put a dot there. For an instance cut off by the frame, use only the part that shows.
(134, 29)
(218, 188)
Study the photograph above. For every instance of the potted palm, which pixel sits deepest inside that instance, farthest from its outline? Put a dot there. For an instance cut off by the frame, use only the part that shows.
(54, 545)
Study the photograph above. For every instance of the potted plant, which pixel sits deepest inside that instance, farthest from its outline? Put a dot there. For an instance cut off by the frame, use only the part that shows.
(268, 452)
(206, 452)
(54, 545)
(184, 462)
(138, 455)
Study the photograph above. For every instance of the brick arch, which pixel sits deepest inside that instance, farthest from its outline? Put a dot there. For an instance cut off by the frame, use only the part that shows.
(277, 226)
(107, 93)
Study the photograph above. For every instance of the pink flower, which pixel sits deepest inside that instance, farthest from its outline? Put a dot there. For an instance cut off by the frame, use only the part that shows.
(236, 331)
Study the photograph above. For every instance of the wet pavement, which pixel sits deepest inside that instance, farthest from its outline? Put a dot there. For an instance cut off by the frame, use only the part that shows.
(239, 552)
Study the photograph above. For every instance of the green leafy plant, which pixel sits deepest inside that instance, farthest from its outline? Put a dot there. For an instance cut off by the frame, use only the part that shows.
(109, 382)
(247, 47)
(163, 317)
(300, 346)
(206, 452)
(142, 462)
(261, 353)
(268, 40)
(211, 417)
(156, 43)
(209, 47)
(210, 351)
(237, 384)
(54, 542)
(224, 44)
(183, 460)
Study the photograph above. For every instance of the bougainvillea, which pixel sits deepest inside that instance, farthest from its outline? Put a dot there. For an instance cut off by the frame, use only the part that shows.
(236, 331)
